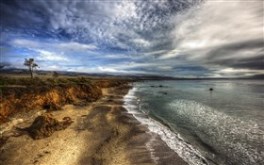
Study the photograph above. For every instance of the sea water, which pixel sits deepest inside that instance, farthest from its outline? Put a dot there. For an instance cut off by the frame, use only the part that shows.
(222, 126)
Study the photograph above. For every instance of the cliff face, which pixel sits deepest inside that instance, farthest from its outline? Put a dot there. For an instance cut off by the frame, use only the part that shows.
(24, 96)
(46, 97)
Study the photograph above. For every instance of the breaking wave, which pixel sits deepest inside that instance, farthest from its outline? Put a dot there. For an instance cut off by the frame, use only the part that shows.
(190, 154)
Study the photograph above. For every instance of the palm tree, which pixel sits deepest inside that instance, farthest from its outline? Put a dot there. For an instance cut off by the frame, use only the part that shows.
(31, 65)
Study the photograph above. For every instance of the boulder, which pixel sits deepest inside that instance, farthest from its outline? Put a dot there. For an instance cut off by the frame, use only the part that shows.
(45, 125)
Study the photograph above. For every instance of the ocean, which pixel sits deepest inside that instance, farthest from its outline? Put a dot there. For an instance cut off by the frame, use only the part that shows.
(222, 126)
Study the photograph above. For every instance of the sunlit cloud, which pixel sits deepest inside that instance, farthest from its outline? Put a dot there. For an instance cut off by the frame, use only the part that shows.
(50, 56)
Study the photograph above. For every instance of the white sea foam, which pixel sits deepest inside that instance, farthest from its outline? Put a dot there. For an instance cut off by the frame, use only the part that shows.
(174, 141)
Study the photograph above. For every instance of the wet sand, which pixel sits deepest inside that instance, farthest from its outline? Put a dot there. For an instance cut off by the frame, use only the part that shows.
(103, 133)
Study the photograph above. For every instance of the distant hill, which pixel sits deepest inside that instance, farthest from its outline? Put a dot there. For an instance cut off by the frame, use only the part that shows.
(259, 76)
(130, 76)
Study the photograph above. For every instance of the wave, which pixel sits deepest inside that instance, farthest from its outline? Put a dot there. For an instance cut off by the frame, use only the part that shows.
(240, 141)
(186, 151)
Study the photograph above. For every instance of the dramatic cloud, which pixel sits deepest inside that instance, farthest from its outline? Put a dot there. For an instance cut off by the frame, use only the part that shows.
(177, 38)
(225, 33)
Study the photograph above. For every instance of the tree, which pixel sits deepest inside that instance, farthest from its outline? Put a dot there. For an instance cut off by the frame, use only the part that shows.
(31, 65)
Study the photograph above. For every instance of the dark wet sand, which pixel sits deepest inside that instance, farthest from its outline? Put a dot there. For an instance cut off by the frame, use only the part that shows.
(103, 133)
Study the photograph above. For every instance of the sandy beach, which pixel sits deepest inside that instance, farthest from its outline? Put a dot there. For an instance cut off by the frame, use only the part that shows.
(102, 133)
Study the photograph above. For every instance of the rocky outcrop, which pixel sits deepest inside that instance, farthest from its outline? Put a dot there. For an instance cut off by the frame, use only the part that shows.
(45, 125)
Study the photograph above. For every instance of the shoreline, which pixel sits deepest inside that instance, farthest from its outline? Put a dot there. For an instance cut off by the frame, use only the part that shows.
(161, 153)
(159, 131)
(103, 132)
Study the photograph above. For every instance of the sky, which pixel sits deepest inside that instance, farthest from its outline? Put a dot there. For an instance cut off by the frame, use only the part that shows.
(179, 38)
